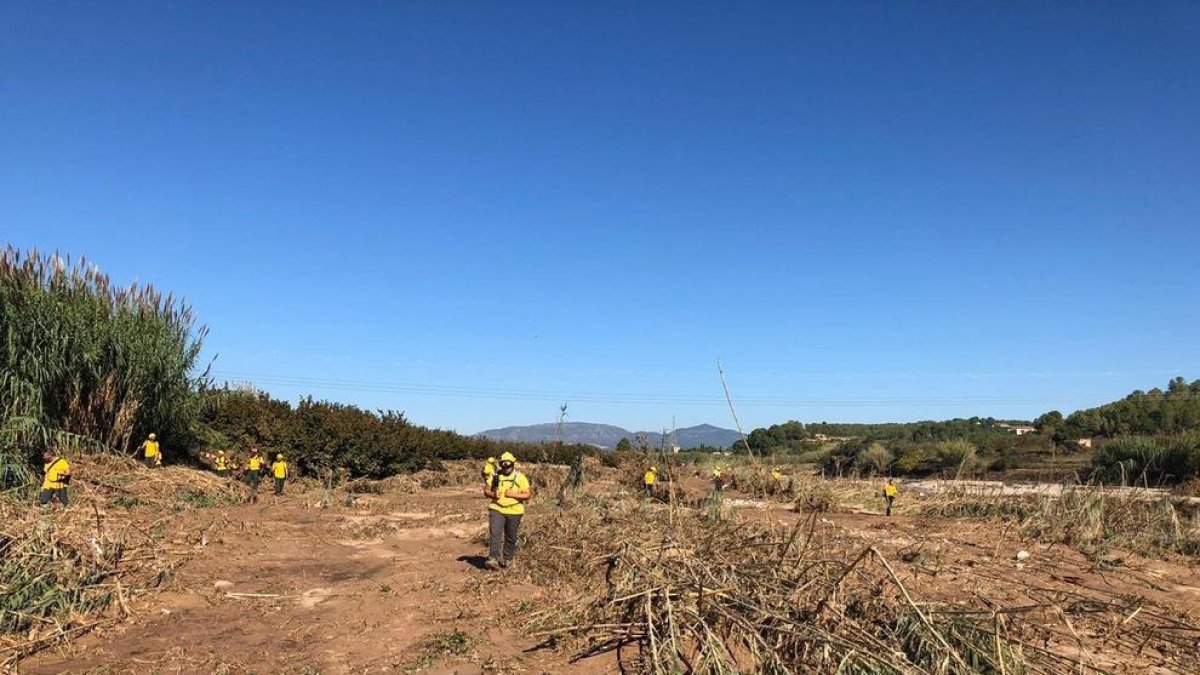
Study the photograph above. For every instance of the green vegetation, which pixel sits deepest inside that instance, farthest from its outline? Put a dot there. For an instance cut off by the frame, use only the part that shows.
(1155, 412)
(319, 436)
(1144, 460)
(86, 364)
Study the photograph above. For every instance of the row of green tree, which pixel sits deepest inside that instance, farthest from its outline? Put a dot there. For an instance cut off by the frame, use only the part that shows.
(320, 435)
(1154, 412)
(794, 437)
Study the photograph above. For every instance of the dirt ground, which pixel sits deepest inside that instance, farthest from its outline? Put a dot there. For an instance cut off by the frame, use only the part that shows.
(382, 586)
(393, 583)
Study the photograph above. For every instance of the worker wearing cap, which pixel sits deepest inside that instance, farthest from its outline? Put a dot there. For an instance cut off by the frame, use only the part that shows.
(280, 470)
(889, 495)
(776, 480)
(222, 464)
(56, 475)
(489, 468)
(509, 490)
(648, 481)
(151, 453)
(254, 472)
(718, 479)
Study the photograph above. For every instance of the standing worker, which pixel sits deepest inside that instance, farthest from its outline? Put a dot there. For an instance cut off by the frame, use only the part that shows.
(776, 481)
(509, 490)
(718, 479)
(889, 495)
(254, 472)
(280, 470)
(489, 469)
(648, 481)
(222, 464)
(56, 475)
(151, 453)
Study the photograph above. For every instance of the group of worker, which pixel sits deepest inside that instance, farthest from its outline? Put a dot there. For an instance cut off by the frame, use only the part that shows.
(56, 470)
(226, 466)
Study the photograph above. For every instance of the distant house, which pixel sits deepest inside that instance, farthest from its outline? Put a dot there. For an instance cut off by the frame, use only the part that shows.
(1017, 429)
(1083, 442)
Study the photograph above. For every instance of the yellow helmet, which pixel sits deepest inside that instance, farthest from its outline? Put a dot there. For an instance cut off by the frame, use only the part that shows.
(220, 452)
(152, 436)
(508, 457)
(491, 460)
(279, 456)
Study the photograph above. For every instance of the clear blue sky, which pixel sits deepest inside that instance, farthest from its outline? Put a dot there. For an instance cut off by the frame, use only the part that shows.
(472, 211)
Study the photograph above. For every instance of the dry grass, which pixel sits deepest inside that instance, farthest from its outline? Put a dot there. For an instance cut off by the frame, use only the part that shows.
(669, 591)
(1087, 518)
(64, 571)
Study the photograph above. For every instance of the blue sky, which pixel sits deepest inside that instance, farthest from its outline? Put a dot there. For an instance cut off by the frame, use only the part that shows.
(475, 211)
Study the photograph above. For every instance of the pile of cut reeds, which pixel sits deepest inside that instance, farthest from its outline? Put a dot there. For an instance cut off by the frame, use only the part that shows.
(65, 571)
(669, 592)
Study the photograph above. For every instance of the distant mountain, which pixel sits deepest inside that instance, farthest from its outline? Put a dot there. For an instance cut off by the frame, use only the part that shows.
(607, 435)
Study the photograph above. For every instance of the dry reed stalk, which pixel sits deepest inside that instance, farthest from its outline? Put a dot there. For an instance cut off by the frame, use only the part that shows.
(695, 596)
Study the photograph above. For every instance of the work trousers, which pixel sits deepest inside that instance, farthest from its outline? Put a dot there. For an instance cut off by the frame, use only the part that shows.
(279, 486)
(889, 501)
(150, 462)
(47, 496)
(502, 532)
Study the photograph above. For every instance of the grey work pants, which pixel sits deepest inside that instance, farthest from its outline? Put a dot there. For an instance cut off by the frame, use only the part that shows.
(502, 531)
(47, 496)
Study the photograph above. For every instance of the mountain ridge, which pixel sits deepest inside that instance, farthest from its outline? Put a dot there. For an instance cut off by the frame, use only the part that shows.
(608, 435)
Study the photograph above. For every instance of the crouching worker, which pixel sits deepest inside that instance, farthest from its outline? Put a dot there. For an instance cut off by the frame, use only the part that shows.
(509, 490)
(56, 474)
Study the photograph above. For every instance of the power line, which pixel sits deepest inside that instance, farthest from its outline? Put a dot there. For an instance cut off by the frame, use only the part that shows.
(558, 395)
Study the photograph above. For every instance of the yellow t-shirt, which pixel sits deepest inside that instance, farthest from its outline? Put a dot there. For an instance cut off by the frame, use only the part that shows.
(649, 478)
(515, 482)
(221, 466)
(279, 469)
(151, 448)
(488, 470)
(777, 475)
(889, 490)
(54, 474)
(255, 464)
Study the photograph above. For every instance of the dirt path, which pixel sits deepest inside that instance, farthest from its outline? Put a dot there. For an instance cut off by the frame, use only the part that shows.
(384, 586)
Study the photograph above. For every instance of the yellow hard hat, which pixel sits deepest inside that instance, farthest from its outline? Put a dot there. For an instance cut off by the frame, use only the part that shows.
(491, 460)
(220, 452)
(508, 457)
(280, 456)
(152, 437)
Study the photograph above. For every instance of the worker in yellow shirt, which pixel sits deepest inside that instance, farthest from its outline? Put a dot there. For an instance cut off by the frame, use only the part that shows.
(489, 469)
(56, 475)
(254, 471)
(776, 481)
(648, 481)
(280, 470)
(151, 452)
(509, 490)
(889, 495)
(222, 464)
(718, 479)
